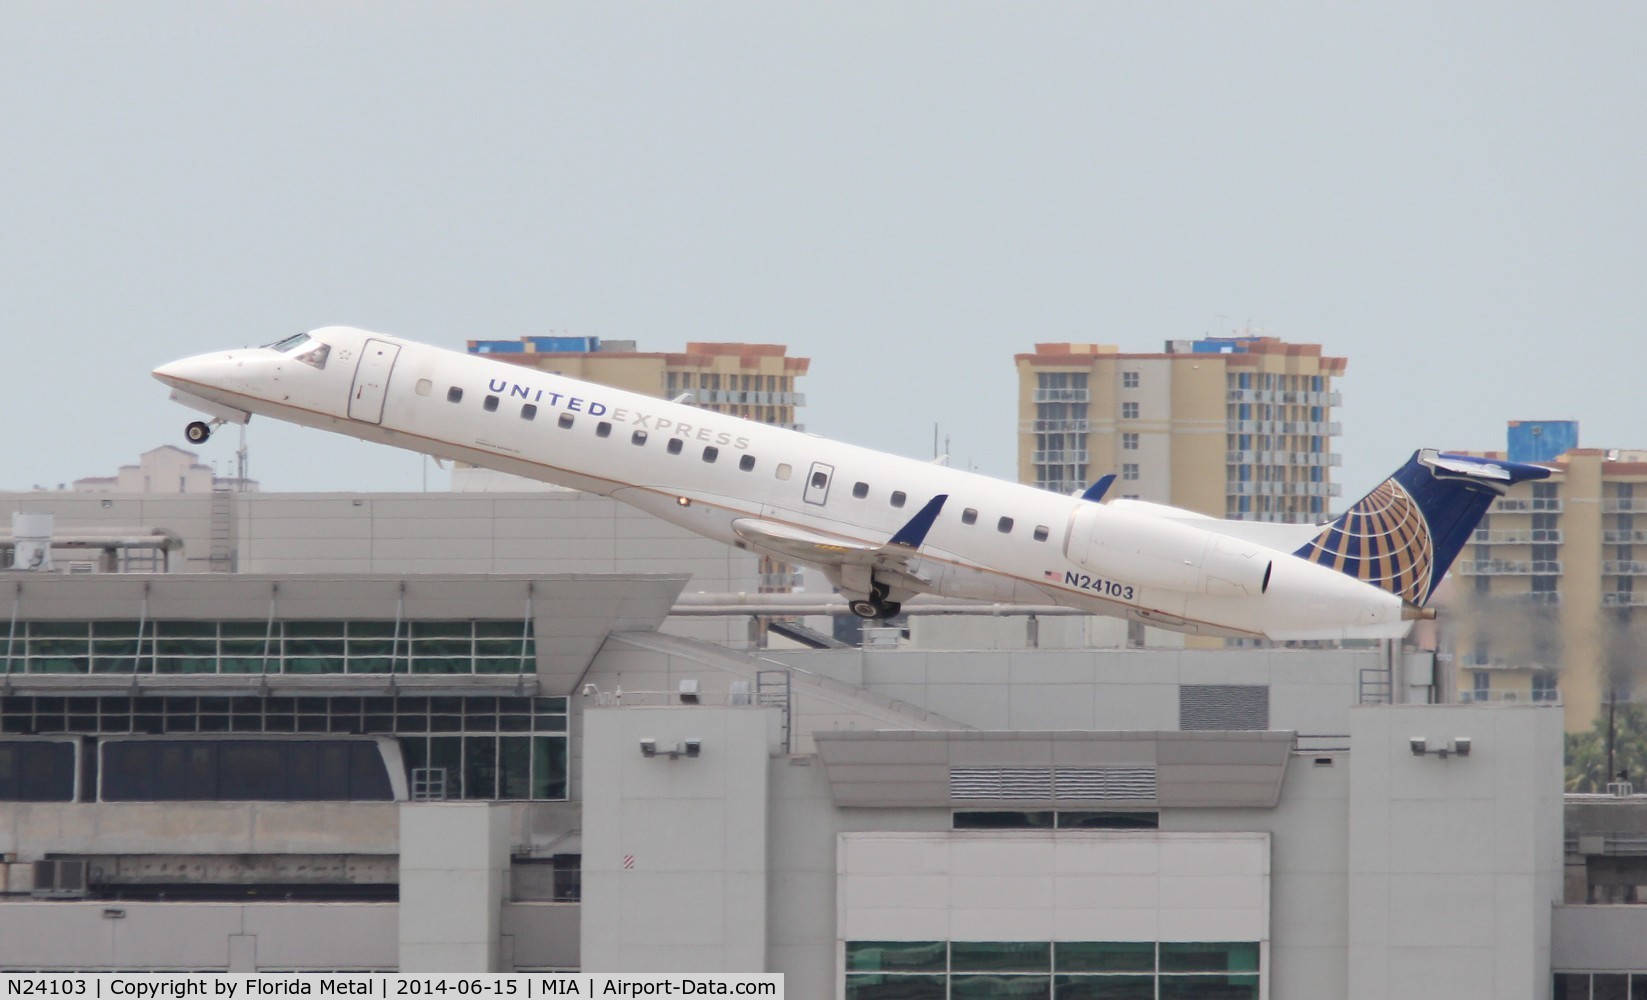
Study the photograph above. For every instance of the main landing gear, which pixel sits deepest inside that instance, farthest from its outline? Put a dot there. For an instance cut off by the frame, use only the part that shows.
(875, 607)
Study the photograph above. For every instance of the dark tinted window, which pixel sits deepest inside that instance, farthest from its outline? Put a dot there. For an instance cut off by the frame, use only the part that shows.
(747, 463)
(711, 453)
(969, 516)
(565, 421)
(490, 405)
(899, 498)
(1041, 532)
(36, 772)
(603, 429)
(675, 445)
(454, 395)
(244, 770)
(860, 490)
(1004, 525)
(639, 437)
(529, 411)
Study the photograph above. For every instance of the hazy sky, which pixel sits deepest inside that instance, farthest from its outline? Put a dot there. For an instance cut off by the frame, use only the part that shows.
(1452, 195)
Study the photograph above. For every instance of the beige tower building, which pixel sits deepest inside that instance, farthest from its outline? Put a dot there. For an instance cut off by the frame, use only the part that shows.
(1256, 408)
(1549, 590)
(753, 381)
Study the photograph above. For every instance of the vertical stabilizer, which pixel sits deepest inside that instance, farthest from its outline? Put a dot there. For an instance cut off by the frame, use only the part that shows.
(1405, 533)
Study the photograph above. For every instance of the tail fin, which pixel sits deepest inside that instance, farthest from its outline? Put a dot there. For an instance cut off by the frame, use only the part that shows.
(1403, 535)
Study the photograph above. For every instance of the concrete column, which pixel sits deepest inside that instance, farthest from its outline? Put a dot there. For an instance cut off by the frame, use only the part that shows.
(454, 860)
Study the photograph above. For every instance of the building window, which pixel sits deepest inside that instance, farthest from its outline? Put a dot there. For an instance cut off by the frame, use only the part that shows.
(1481, 685)
(899, 498)
(490, 405)
(1129, 470)
(529, 411)
(932, 970)
(1544, 687)
(454, 395)
(969, 516)
(1129, 411)
(860, 490)
(746, 463)
(1129, 380)
(1129, 442)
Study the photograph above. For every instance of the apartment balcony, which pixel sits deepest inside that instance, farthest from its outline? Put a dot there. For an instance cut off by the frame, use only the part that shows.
(1066, 457)
(1624, 536)
(1623, 567)
(1526, 536)
(1073, 425)
(1624, 505)
(1539, 597)
(1063, 395)
(740, 397)
(1624, 599)
(1509, 567)
(1518, 505)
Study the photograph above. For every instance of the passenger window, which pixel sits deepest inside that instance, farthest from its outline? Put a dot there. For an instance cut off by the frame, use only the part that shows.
(529, 411)
(602, 429)
(747, 463)
(490, 405)
(898, 498)
(454, 395)
(639, 437)
(860, 490)
(675, 445)
(566, 422)
(1041, 532)
(710, 453)
(969, 516)
(782, 471)
(1004, 525)
(425, 387)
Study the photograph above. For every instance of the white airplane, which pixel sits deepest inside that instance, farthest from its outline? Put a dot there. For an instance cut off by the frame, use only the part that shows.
(880, 527)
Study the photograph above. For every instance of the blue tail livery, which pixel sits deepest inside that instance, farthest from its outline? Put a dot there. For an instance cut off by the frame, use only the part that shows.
(1405, 533)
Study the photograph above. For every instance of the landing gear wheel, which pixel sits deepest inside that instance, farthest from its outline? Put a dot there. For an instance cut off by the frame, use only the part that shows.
(198, 432)
(870, 608)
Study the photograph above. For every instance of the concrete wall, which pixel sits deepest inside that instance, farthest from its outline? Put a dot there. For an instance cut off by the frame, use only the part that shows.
(454, 864)
(675, 877)
(304, 936)
(1311, 691)
(1599, 939)
(1454, 863)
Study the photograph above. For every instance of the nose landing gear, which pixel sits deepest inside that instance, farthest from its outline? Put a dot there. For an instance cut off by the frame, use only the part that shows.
(199, 431)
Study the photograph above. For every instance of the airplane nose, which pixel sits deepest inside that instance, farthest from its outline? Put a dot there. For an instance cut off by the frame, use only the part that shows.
(202, 369)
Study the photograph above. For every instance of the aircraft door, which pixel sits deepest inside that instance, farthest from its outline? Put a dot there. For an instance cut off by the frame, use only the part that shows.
(817, 483)
(377, 359)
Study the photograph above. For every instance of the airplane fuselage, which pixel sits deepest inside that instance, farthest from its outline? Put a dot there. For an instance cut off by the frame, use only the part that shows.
(739, 481)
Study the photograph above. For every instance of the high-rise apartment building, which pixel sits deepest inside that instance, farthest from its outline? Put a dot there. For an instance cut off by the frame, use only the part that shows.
(1228, 426)
(753, 381)
(1549, 589)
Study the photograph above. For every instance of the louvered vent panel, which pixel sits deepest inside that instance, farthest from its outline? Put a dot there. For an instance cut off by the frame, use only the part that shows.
(1105, 783)
(1000, 782)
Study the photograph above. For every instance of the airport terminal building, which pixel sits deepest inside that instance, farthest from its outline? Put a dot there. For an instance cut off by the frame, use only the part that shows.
(463, 743)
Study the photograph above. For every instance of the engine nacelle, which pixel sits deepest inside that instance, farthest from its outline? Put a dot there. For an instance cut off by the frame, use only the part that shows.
(1159, 552)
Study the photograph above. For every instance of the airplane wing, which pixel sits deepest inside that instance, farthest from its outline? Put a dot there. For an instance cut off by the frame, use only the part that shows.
(821, 549)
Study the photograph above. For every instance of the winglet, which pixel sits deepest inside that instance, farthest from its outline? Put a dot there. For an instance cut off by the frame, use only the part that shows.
(1096, 491)
(913, 534)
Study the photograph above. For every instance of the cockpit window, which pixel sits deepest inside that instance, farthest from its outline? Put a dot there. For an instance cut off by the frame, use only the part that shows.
(293, 342)
(315, 356)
